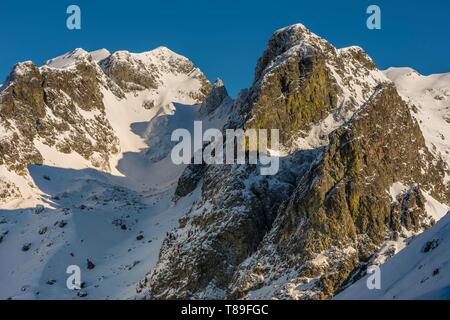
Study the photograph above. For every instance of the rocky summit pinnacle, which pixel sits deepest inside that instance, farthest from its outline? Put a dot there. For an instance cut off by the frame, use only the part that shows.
(216, 97)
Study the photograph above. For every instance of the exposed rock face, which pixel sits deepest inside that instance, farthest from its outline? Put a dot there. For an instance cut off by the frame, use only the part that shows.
(301, 80)
(47, 104)
(189, 180)
(223, 228)
(305, 231)
(340, 213)
(136, 72)
(428, 98)
(216, 97)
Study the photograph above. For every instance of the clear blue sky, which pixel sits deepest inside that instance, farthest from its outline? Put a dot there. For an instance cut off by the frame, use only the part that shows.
(225, 38)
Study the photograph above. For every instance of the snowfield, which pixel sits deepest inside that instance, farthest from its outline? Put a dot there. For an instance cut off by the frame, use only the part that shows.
(420, 271)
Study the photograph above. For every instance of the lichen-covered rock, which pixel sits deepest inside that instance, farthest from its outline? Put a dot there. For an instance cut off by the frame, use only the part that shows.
(300, 81)
(223, 228)
(303, 233)
(341, 212)
(48, 104)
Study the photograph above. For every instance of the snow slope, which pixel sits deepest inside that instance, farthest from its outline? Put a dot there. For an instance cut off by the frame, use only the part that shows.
(420, 271)
(89, 217)
(117, 220)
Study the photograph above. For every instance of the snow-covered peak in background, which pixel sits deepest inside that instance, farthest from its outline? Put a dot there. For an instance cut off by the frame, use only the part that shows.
(93, 97)
(160, 56)
(151, 70)
(411, 81)
(69, 59)
(100, 54)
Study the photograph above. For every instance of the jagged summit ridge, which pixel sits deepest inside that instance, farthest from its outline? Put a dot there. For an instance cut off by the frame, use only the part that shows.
(302, 80)
(69, 98)
(293, 38)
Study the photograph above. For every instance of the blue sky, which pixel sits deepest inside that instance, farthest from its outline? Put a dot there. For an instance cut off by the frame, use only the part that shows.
(225, 38)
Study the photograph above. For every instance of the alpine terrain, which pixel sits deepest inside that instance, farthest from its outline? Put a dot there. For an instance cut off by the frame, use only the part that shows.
(87, 179)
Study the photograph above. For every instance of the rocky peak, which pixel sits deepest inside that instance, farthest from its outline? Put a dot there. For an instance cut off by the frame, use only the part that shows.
(22, 70)
(61, 104)
(358, 55)
(150, 70)
(216, 97)
(100, 54)
(301, 80)
(287, 41)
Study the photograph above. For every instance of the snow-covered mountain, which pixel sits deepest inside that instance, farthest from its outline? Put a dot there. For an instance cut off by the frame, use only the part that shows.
(86, 177)
(74, 199)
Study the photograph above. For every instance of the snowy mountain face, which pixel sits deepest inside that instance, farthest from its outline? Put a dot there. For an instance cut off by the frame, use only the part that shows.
(77, 176)
(86, 177)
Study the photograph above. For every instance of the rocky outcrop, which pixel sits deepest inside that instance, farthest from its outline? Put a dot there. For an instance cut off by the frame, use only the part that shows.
(223, 228)
(217, 96)
(341, 212)
(300, 81)
(304, 232)
(47, 104)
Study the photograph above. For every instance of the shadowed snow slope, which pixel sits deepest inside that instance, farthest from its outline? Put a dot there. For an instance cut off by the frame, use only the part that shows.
(420, 271)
